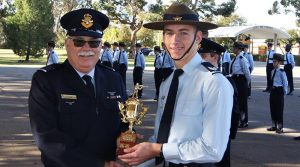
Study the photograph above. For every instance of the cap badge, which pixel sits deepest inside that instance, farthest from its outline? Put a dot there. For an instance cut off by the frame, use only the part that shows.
(177, 18)
(87, 22)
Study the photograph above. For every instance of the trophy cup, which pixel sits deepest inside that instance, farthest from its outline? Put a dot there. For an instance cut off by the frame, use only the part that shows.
(132, 112)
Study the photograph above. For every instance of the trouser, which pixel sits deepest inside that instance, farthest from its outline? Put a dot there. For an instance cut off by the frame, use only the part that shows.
(157, 79)
(242, 88)
(106, 63)
(116, 65)
(225, 68)
(122, 70)
(276, 105)
(138, 78)
(288, 68)
(225, 162)
(269, 69)
(166, 72)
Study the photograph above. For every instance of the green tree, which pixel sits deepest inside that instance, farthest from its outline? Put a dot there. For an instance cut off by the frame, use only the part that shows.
(288, 6)
(30, 28)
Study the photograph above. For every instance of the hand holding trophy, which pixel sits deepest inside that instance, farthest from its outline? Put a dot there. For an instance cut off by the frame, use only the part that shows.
(132, 112)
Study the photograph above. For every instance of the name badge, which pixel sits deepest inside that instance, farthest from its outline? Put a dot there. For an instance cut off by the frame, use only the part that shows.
(68, 96)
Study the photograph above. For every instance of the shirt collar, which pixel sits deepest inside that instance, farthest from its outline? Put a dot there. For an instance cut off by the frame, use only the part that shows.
(91, 73)
(195, 62)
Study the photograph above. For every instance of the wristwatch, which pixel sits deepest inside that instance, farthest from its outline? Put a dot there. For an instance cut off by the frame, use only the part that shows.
(161, 154)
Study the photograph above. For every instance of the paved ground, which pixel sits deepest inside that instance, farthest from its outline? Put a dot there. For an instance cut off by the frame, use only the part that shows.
(254, 146)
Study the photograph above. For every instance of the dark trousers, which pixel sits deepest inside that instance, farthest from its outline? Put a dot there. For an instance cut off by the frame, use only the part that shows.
(269, 69)
(225, 162)
(106, 63)
(288, 68)
(138, 78)
(190, 165)
(157, 79)
(116, 65)
(276, 105)
(225, 68)
(122, 70)
(166, 72)
(242, 88)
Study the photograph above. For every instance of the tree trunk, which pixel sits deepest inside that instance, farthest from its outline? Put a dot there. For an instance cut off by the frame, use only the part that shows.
(28, 52)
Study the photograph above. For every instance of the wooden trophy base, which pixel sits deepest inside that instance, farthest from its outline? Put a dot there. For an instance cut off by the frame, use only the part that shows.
(127, 140)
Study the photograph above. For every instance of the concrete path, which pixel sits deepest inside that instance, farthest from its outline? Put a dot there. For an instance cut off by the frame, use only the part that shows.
(254, 146)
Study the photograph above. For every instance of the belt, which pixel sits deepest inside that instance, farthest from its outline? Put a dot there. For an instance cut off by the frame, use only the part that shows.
(238, 75)
(190, 165)
(277, 87)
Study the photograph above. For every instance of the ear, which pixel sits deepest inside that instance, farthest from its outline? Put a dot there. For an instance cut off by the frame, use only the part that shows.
(198, 37)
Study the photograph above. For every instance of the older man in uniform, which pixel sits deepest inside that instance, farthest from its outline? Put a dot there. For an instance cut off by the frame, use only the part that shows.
(191, 126)
(73, 106)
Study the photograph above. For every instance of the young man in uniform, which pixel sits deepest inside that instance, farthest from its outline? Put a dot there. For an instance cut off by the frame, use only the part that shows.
(278, 90)
(73, 106)
(52, 57)
(269, 66)
(194, 106)
(289, 64)
(115, 54)
(139, 66)
(157, 70)
(107, 55)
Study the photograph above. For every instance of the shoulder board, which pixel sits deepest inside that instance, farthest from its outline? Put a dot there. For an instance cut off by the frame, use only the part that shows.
(106, 67)
(282, 70)
(209, 66)
(216, 72)
(241, 57)
(49, 68)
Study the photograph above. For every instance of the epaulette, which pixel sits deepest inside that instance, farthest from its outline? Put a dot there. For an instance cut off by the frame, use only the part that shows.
(49, 68)
(106, 67)
(241, 57)
(210, 67)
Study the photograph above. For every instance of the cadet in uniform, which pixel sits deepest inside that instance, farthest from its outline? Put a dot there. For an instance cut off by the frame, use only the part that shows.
(115, 54)
(278, 90)
(239, 70)
(210, 52)
(139, 66)
(157, 70)
(73, 106)
(226, 61)
(289, 64)
(122, 62)
(194, 106)
(107, 56)
(52, 55)
(167, 63)
(249, 58)
(269, 66)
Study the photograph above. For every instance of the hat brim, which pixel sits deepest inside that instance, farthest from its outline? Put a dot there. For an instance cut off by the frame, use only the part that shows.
(160, 25)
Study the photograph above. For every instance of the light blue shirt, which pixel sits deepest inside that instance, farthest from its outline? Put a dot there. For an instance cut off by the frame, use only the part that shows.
(202, 113)
(167, 60)
(226, 57)
(280, 79)
(53, 58)
(289, 59)
(123, 57)
(115, 54)
(240, 66)
(158, 61)
(249, 58)
(269, 56)
(140, 60)
(107, 55)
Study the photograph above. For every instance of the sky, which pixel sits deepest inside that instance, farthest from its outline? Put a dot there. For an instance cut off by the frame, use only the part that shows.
(256, 13)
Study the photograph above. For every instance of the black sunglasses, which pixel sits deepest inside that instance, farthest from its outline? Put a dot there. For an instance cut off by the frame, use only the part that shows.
(81, 43)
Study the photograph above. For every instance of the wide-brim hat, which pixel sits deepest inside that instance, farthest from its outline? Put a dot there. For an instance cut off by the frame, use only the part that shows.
(180, 14)
(209, 46)
(238, 45)
(85, 22)
(278, 57)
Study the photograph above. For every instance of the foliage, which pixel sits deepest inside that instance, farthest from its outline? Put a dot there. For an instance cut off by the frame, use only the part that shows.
(30, 28)
(288, 6)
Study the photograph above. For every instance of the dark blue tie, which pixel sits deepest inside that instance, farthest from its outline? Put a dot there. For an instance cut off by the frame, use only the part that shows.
(166, 119)
(89, 84)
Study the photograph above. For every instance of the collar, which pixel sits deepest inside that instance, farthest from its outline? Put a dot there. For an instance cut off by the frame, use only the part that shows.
(194, 63)
(91, 73)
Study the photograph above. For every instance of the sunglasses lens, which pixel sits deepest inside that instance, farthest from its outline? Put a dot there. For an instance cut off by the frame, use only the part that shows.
(94, 44)
(78, 42)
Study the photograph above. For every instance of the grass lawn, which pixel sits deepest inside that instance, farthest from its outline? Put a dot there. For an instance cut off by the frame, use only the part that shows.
(7, 57)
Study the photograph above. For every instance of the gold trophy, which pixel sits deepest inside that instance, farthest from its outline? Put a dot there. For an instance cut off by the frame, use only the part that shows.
(132, 112)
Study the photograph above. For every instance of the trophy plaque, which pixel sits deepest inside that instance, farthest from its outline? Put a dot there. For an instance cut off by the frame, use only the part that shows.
(132, 112)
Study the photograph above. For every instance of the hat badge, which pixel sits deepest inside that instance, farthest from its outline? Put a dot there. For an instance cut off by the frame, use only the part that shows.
(87, 22)
(177, 18)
